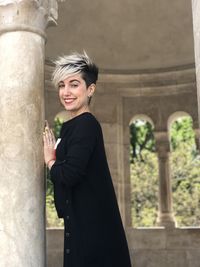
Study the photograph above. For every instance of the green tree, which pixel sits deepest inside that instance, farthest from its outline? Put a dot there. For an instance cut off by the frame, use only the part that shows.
(144, 190)
(185, 165)
(182, 131)
(144, 178)
(141, 138)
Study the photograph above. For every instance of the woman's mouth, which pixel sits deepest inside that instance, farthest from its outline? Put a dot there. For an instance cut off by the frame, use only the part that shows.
(69, 100)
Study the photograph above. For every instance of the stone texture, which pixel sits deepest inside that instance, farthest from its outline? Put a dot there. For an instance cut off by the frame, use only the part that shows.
(146, 238)
(196, 30)
(21, 158)
(158, 247)
(22, 198)
(165, 214)
(55, 244)
(108, 101)
(110, 131)
(124, 35)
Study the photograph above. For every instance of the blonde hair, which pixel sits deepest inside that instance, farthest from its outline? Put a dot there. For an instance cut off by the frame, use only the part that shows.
(75, 63)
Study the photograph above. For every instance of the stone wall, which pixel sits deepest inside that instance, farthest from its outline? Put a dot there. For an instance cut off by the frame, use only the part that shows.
(150, 247)
(164, 248)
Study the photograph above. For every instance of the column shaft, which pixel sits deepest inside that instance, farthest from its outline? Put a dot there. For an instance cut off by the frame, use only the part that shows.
(165, 214)
(22, 182)
(22, 198)
(196, 31)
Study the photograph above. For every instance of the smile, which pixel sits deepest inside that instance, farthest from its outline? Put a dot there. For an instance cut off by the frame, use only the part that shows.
(69, 100)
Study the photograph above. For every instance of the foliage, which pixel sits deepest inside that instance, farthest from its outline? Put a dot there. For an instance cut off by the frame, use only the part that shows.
(52, 219)
(57, 127)
(144, 184)
(141, 138)
(181, 131)
(185, 165)
(185, 162)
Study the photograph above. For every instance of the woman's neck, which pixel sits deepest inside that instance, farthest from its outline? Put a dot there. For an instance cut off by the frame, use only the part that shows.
(79, 112)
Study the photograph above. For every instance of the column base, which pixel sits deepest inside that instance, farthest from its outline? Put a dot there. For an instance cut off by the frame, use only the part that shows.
(166, 220)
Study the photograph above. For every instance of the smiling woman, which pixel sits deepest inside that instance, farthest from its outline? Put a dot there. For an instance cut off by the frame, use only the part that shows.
(74, 94)
(83, 188)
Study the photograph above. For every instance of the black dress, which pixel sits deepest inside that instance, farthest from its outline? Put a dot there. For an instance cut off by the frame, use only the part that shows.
(85, 197)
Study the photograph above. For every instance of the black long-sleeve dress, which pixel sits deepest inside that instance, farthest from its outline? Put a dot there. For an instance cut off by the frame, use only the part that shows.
(85, 197)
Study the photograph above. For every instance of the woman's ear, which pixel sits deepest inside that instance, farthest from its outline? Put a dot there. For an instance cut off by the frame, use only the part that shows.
(91, 89)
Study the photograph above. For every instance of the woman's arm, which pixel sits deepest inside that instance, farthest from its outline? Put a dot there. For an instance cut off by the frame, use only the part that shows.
(73, 169)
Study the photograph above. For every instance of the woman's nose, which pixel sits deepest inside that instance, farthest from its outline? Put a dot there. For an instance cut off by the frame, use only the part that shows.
(66, 89)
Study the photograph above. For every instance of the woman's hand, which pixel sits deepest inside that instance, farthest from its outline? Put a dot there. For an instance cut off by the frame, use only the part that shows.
(49, 146)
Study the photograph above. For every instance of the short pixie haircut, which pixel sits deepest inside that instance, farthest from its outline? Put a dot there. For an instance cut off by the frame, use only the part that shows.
(73, 64)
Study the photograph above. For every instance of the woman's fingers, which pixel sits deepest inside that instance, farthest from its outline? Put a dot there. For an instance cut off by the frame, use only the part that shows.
(45, 138)
(48, 136)
(46, 124)
(53, 139)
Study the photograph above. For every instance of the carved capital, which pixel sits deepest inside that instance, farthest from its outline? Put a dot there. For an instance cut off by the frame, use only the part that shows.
(162, 143)
(27, 15)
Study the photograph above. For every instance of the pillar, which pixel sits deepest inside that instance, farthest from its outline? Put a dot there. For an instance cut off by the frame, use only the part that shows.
(123, 166)
(196, 32)
(197, 138)
(22, 197)
(165, 214)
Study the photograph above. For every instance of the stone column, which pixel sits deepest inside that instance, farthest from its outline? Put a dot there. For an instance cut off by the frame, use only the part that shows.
(22, 197)
(123, 165)
(196, 31)
(197, 138)
(165, 213)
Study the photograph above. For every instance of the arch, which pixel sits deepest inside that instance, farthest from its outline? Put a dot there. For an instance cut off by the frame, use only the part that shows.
(141, 117)
(176, 115)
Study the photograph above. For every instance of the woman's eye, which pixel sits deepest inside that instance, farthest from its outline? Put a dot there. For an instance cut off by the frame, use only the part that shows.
(74, 85)
(61, 86)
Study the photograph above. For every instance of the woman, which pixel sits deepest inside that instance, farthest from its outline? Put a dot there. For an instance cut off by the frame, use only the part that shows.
(83, 190)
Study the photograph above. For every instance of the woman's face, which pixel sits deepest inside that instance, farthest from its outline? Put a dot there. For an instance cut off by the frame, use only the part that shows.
(73, 94)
